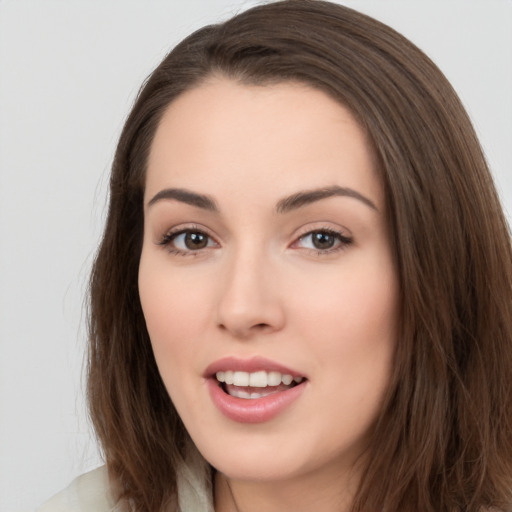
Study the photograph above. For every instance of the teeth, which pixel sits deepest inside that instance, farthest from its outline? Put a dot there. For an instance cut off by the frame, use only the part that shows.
(241, 379)
(273, 378)
(287, 379)
(259, 379)
(242, 393)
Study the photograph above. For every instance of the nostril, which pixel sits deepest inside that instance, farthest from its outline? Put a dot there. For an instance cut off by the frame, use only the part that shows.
(246, 331)
(261, 327)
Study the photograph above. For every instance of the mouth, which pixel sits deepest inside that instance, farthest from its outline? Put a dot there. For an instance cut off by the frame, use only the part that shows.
(254, 385)
(253, 390)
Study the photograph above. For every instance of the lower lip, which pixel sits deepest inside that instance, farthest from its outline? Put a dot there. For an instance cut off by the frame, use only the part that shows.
(256, 410)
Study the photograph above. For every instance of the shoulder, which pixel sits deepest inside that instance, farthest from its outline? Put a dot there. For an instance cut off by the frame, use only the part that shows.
(89, 492)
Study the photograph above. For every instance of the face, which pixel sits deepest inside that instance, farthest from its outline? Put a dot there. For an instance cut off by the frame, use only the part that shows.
(267, 279)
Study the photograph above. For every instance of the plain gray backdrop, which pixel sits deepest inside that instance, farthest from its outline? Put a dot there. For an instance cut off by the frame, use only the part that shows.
(69, 72)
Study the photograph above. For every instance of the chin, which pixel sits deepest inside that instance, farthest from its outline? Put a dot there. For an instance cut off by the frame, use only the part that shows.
(277, 456)
(256, 458)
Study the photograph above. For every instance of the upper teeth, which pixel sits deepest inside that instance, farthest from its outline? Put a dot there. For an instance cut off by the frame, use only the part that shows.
(259, 379)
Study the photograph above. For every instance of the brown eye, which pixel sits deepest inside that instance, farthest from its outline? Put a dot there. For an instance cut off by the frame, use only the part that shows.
(323, 240)
(195, 240)
(187, 241)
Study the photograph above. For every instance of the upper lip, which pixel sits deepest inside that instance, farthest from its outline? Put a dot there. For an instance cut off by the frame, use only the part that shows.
(253, 364)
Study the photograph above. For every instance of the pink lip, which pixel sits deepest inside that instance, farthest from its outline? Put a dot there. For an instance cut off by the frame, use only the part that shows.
(254, 364)
(256, 410)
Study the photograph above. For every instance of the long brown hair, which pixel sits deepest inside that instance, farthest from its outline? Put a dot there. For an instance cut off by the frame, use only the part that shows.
(443, 440)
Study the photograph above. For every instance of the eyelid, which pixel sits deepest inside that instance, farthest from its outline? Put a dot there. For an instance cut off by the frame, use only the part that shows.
(167, 238)
(343, 239)
(312, 227)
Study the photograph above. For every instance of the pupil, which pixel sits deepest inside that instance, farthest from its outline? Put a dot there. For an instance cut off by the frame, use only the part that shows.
(322, 240)
(196, 240)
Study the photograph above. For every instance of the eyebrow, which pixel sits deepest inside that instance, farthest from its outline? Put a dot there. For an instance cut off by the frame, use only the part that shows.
(186, 196)
(307, 197)
(284, 205)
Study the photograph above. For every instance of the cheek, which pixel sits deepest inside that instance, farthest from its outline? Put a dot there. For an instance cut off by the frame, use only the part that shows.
(175, 312)
(355, 305)
(350, 326)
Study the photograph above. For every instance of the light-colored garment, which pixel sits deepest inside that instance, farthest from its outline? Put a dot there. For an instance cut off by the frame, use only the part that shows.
(90, 492)
(86, 493)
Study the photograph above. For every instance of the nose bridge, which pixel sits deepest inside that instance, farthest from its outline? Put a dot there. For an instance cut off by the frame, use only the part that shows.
(249, 300)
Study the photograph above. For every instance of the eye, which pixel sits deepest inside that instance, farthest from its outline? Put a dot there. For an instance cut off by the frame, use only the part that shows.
(323, 240)
(186, 241)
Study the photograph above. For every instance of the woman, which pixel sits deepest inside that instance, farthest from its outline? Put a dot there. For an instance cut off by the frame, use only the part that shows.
(302, 299)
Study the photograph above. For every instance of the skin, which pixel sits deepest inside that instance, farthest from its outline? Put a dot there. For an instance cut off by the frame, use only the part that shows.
(260, 287)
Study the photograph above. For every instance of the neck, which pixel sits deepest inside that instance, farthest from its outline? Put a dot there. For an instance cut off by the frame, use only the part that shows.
(318, 492)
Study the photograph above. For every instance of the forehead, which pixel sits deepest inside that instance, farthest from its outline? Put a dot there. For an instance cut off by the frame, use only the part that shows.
(282, 137)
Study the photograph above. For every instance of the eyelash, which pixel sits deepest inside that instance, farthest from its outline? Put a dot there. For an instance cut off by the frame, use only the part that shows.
(342, 241)
(171, 236)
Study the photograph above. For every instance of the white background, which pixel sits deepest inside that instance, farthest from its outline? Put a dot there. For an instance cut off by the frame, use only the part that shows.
(69, 71)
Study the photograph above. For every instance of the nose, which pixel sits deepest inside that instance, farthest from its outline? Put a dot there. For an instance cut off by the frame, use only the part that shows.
(250, 300)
